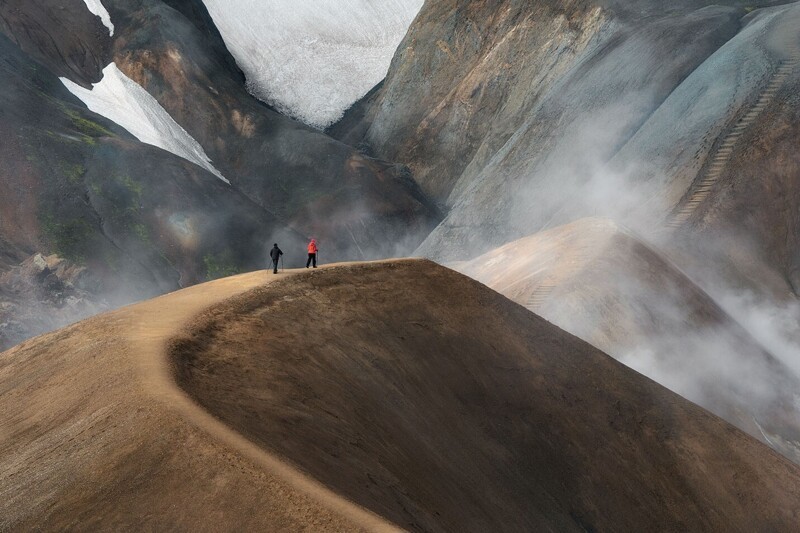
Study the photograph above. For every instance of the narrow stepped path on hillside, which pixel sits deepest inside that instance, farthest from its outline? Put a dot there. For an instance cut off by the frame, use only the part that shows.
(721, 158)
(540, 295)
(576, 259)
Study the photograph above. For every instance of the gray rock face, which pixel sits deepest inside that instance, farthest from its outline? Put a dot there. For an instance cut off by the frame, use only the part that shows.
(524, 116)
(465, 75)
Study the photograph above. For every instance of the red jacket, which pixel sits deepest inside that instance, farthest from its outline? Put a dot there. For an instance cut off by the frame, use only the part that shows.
(312, 247)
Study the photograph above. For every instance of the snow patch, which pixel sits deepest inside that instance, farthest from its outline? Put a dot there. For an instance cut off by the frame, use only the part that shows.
(122, 100)
(96, 8)
(313, 59)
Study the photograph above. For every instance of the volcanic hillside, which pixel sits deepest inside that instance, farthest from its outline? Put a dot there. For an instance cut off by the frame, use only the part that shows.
(678, 117)
(131, 147)
(173, 51)
(600, 282)
(404, 392)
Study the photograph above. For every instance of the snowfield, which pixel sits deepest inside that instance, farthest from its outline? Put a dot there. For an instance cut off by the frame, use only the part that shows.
(313, 60)
(122, 100)
(97, 8)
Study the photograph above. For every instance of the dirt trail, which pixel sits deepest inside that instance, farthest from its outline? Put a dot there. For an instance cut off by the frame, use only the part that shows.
(49, 479)
(152, 340)
(417, 396)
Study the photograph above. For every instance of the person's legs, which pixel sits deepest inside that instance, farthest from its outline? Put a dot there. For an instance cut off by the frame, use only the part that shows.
(308, 263)
(314, 257)
(274, 266)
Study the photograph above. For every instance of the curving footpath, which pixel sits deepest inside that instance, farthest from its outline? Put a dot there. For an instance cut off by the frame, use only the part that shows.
(153, 337)
(101, 437)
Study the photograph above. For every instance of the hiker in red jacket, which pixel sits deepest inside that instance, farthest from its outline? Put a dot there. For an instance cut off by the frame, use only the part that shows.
(312, 253)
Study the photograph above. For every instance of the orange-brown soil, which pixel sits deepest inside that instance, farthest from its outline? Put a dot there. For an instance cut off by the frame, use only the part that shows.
(360, 397)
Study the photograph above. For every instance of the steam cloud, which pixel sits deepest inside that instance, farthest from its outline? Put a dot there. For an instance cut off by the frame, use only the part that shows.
(603, 160)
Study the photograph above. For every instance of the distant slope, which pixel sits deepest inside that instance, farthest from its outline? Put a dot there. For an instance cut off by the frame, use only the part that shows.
(600, 282)
(676, 117)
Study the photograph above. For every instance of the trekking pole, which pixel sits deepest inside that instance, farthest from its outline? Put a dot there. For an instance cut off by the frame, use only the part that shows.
(281, 263)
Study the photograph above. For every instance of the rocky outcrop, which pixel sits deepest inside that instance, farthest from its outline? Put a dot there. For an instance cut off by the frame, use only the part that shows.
(63, 36)
(460, 65)
(45, 293)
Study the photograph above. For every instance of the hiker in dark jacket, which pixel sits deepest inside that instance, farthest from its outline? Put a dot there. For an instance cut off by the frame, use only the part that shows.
(275, 254)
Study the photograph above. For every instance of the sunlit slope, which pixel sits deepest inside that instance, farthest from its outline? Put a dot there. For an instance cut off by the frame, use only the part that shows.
(94, 435)
(440, 405)
(600, 282)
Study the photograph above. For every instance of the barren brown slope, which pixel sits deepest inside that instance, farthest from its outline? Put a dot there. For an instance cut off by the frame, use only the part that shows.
(601, 282)
(440, 405)
(94, 435)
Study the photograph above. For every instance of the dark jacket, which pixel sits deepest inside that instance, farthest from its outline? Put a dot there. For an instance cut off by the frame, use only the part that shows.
(275, 253)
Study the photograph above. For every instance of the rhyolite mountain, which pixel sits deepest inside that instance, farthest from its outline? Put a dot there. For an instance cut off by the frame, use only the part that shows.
(143, 220)
(677, 118)
(514, 117)
(134, 161)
